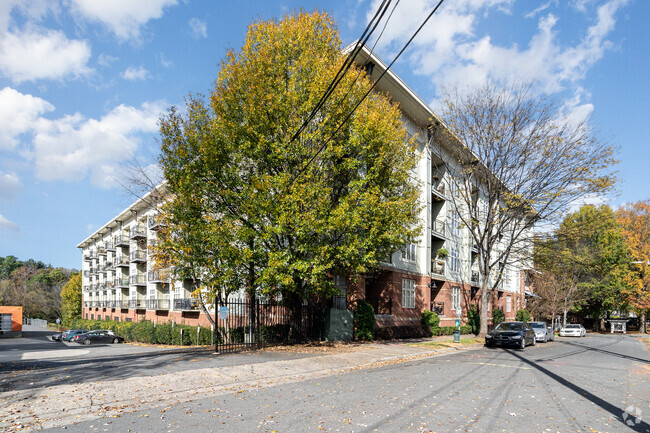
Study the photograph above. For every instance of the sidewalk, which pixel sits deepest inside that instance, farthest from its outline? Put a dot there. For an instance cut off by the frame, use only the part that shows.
(68, 404)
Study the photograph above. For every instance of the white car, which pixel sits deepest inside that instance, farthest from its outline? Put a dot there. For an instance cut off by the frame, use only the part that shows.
(573, 330)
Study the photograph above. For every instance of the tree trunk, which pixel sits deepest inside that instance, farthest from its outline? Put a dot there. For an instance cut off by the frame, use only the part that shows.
(484, 308)
(642, 327)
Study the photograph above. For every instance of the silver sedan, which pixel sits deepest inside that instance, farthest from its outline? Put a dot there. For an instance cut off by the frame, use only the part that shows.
(543, 332)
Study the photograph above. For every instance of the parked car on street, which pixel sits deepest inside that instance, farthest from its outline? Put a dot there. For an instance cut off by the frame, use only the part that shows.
(518, 334)
(56, 337)
(543, 331)
(97, 336)
(573, 330)
(70, 333)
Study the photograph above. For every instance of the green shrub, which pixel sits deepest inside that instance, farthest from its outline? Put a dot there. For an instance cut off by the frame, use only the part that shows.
(430, 318)
(143, 332)
(163, 333)
(497, 317)
(466, 329)
(404, 331)
(364, 318)
(473, 320)
(523, 316)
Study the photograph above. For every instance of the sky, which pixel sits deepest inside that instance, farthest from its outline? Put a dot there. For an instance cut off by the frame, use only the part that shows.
(84, 82)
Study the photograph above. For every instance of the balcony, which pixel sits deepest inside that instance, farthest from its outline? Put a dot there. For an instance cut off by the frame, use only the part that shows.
(87, 256)
(138, 232)
(138, 256)
(92, 270)
(122, 281)
(136, 303)
(138, 280)
(120, 241)
(159, 276)
(157, 304)
(110, 246)
(122, 261)
(438, 308)
(437, 190)
(107, 266)
(101, 250)
(475, 277)
(186, 304)
(438, 267)
(155, 224)
(438, 228)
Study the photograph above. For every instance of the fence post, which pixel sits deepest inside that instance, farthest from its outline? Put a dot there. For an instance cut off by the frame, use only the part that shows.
(212, 334)
(198, 331)
(181, 336)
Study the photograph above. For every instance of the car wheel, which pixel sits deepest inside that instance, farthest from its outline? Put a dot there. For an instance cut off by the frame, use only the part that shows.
(87, 341)
(116, 340)
(522, 346)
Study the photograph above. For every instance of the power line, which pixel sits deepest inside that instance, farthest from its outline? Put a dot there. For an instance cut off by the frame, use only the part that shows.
(345, 66)
(324, 145)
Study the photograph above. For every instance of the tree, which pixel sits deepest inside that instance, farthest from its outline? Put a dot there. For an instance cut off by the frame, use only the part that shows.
(253, 206)
(634, 220)
(518, 162)
(71, 299)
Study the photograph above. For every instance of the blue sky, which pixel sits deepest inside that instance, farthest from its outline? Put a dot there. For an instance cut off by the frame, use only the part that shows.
(83, 82)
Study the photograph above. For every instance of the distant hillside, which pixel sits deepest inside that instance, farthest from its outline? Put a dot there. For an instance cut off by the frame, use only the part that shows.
(33, 285)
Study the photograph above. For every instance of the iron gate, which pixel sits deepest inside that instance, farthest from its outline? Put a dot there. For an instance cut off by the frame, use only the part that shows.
(246, 324)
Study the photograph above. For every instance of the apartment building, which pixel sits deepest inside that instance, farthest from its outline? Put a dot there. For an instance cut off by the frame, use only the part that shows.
(437, 272)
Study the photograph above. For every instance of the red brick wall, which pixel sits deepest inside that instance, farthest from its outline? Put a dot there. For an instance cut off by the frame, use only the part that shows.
(181, 318)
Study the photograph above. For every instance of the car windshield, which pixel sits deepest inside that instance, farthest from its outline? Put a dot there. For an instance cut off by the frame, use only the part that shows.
(509, 326)
(573, 326)
(538, 325)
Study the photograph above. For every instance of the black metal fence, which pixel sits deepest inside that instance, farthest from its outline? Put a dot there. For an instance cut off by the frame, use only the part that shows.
(243, 325)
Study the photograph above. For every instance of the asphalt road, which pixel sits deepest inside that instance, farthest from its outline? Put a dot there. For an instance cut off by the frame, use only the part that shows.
(36, 362)
(595, 384)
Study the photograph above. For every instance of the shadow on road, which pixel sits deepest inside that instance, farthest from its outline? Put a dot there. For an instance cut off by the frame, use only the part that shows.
(639, 425)
(605, 352)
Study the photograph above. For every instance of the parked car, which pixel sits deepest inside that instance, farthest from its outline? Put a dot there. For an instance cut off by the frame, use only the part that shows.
(56, 337)
(97, 336)
(543, 331)
(573, 330)
(518, 334)
(70, 333)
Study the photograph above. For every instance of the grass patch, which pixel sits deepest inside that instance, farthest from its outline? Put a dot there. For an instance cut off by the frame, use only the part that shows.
(448, 343)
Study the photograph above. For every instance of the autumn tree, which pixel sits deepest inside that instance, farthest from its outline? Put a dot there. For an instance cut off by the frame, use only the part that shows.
(71, 299)
(516, 161)
(252, 203)
(634, 220)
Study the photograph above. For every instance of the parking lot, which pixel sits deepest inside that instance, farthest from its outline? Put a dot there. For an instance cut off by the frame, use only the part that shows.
(35, 346)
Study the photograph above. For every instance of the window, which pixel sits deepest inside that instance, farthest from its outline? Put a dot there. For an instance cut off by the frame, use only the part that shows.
(506, 278)
(408, 253)
(508, 304)
(340, 301)
(455, 298)
(455, 223)
(454, 261)
(408, 293)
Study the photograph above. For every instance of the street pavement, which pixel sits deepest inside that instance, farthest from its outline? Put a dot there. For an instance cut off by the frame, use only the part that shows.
(598, 383)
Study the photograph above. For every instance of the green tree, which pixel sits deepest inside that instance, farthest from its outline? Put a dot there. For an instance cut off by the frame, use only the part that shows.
(71, 298)
(252, 206)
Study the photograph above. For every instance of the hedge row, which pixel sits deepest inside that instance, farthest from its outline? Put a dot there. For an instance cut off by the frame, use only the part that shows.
(147, 332)
(399, 332)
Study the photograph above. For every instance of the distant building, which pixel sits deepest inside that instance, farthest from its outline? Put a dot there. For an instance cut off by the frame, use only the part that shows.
(119, 281)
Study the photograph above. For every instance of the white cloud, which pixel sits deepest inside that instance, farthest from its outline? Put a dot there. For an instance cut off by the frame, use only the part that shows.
(5, 224)
(198, 28)
(125, 18)
(18, 112)
(132, 73)
(42, 54)
(9, 185)
(106, 60)
(450, 51)
(73, 147)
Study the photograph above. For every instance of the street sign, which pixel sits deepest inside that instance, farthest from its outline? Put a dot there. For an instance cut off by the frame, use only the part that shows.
(223, 313)
(459, 312)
